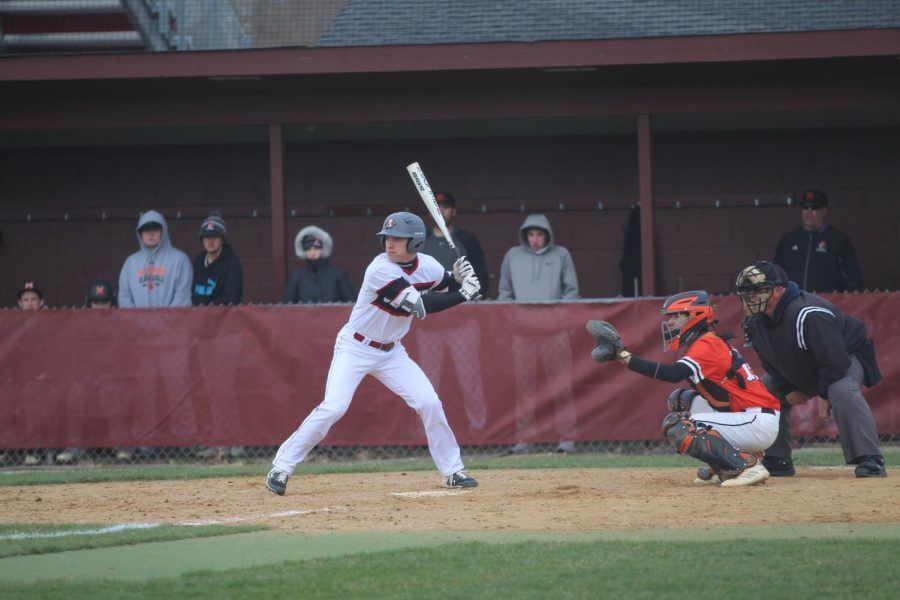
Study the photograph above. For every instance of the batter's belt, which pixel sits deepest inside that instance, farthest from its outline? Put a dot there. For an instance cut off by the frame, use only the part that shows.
(377, 345)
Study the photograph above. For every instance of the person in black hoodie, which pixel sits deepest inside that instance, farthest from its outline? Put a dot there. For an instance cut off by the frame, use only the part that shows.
(316, 281)
(218, 278)
(808, 347)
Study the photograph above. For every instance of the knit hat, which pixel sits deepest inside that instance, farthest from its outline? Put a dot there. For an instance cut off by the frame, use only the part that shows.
(310, 241)
(31, 286)
(214, 224)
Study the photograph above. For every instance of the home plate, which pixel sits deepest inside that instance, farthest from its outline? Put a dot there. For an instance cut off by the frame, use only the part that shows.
(430, 494)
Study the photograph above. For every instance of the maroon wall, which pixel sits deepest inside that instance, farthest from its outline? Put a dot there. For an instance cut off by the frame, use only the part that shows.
(698, 245)
(249, 374)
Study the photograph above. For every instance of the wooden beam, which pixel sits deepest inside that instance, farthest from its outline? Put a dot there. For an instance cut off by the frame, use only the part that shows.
(279, 213)
(645, 194)
(259, 62)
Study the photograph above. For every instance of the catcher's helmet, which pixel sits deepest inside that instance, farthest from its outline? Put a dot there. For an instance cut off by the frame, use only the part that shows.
(405, 225)
(755, 283)
(699, 311)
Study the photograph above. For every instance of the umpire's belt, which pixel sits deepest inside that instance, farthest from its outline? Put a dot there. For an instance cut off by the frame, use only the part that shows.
(768, 411)
(361, 338)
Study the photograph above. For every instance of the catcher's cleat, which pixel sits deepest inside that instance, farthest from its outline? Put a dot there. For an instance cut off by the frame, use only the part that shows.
(276, 481)
(749, 476)
(459, 479)
(871, 466)
(779, 467)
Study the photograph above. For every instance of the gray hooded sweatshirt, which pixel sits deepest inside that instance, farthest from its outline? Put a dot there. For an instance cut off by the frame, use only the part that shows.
(155, 278)
(528, 275)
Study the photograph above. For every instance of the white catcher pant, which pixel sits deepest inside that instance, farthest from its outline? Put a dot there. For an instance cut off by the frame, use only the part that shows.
(352, 361)
(750, 431)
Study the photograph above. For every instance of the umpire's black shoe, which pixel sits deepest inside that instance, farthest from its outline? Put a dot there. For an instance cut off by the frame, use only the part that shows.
(779, 467)
(276, 481)
(871, 466)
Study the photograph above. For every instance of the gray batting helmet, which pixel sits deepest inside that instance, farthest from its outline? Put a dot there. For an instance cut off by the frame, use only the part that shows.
(405, 225)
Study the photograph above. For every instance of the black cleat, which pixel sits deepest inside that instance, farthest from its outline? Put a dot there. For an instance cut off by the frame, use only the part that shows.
(871, 466)
(460, 479)
(779, 467)
(276, 481)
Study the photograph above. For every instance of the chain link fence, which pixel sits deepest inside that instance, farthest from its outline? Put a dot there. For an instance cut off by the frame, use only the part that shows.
(87, 457)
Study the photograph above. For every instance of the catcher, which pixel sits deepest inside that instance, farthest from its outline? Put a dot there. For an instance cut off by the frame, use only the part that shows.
(727, 417)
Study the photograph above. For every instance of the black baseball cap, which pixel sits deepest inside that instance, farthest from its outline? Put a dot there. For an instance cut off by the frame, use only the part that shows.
(100, 290)
(814, 199)
(445, 199)
(30, 286)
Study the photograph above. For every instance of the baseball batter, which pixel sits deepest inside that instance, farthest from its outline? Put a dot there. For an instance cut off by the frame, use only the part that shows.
(398, 284)
(727, 418)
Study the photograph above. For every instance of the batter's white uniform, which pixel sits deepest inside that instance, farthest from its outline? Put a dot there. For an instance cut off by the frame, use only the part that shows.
(370, 344)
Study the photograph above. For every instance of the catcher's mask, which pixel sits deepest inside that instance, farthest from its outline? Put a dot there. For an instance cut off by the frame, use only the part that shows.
(697, 315)
(405, 225)
(755, 284)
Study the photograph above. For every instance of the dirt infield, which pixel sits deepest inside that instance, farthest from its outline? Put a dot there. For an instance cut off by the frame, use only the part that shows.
(529, 499)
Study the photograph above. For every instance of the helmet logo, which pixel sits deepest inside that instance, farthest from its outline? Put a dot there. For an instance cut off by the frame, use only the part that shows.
(389, 223)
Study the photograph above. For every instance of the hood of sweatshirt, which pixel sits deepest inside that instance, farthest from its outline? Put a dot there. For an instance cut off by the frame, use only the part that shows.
(536, 220)
(151, 216)
(316, 232)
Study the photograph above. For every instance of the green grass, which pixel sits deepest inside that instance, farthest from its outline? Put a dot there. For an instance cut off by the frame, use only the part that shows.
(801, 568)
(47, 539)
(802, 458)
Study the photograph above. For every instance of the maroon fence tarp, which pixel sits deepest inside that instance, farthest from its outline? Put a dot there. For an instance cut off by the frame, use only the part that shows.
(247, 375)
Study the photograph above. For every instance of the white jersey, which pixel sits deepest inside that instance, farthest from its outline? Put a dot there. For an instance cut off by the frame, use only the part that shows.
(377, 314)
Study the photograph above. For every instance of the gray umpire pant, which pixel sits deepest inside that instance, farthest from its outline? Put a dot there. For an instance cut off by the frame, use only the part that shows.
(856, 425)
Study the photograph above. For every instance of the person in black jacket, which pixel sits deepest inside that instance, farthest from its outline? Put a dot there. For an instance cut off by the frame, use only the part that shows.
(316, 281)
(808, 347)
(818, 257)
(218, 278)
(460, 340)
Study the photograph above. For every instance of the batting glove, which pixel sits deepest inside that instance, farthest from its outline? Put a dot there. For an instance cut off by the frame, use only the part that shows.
(470, 288)
(462, 268)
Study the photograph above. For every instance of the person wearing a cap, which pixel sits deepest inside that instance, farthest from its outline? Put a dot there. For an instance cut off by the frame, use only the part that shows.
(158, 274)
(816, 256)
(808, 347)
(30, 296)
(100, 294)
(316, 280)
(466, 243)
(218, 277)
(461, 339)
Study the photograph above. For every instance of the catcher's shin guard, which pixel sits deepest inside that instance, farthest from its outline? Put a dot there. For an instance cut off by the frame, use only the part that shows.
(705, 444)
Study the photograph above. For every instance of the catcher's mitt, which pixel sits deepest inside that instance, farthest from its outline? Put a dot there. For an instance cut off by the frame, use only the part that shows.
(609, 342)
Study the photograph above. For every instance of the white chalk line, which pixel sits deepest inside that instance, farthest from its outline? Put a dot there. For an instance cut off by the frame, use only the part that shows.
(430, 494)
(139, 526)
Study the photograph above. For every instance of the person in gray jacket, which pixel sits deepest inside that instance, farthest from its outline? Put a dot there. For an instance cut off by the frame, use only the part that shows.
(157, 275)
(538, 270)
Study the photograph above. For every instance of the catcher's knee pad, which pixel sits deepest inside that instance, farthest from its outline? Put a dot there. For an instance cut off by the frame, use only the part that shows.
(680, 399)
(704, 444)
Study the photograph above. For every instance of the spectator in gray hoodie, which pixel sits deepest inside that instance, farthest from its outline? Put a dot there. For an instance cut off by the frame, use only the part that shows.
(537, 269)
(157, 275)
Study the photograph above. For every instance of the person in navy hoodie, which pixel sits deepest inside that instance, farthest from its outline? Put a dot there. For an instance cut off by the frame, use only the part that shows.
(218, 278)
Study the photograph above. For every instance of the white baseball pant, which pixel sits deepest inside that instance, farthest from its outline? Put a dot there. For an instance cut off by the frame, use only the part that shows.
(748, 431)
(352, 361)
